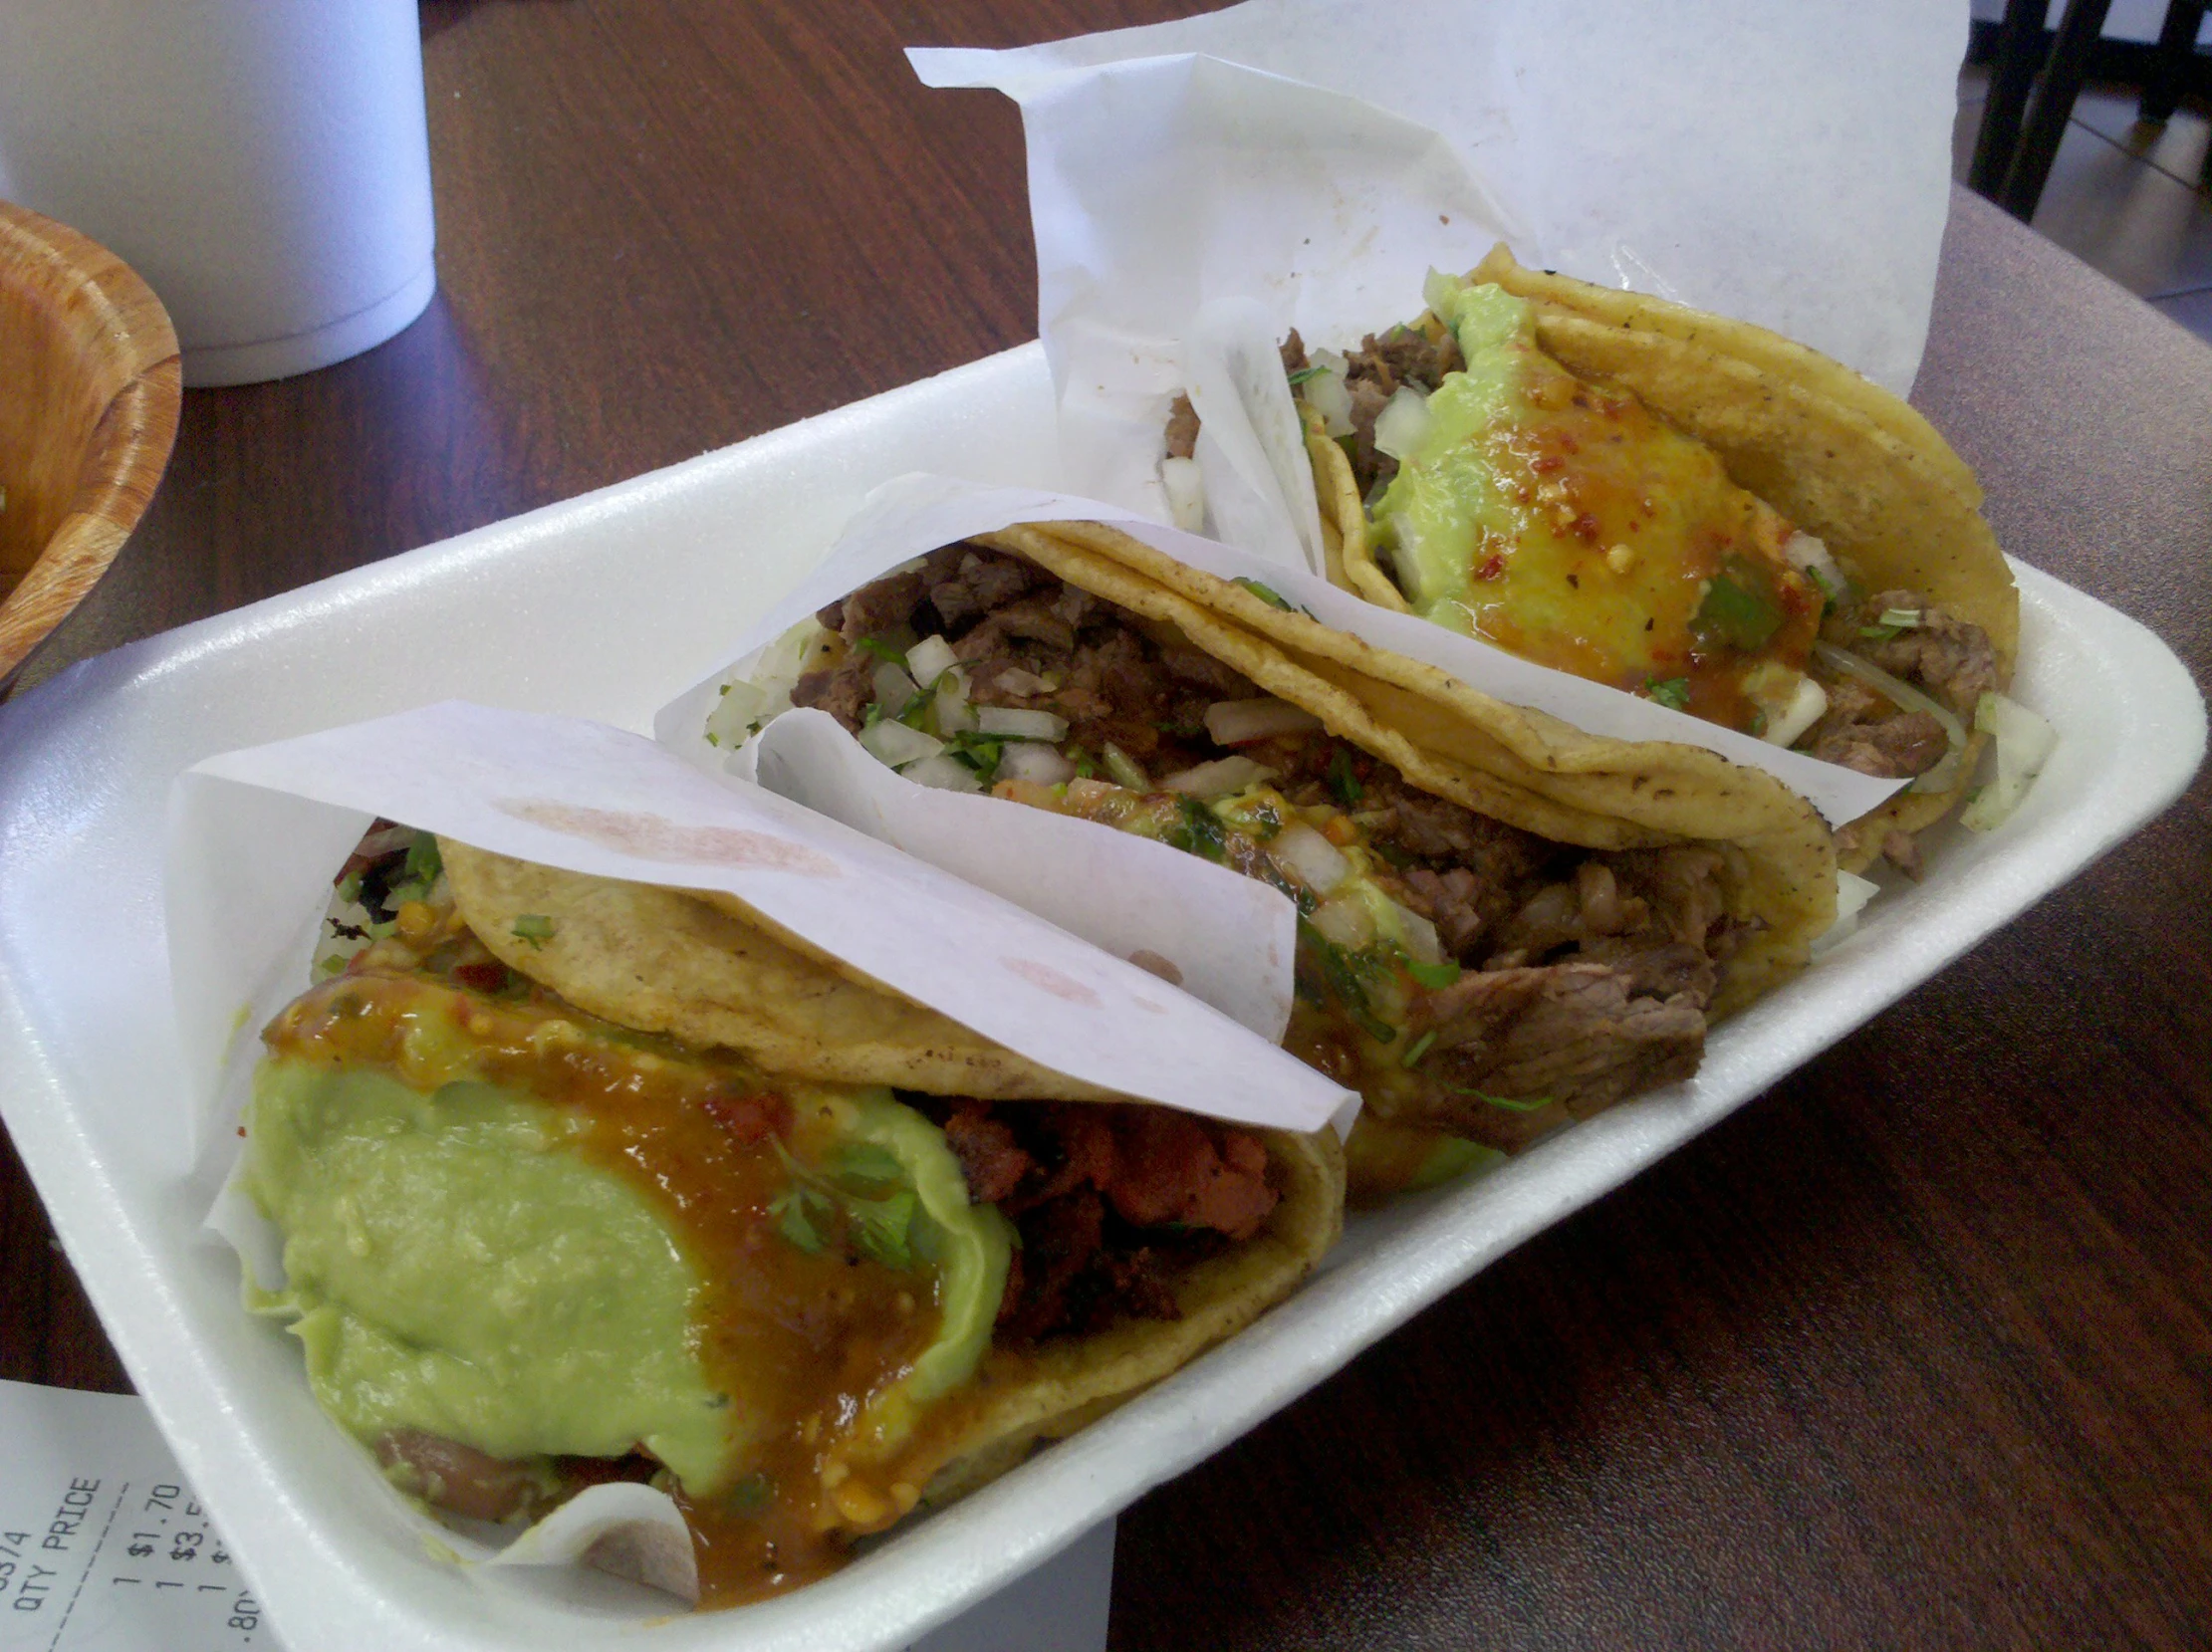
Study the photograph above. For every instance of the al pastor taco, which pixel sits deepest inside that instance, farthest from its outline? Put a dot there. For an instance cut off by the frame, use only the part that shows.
(550, 1222)
(1681, 506)
(1504, 923)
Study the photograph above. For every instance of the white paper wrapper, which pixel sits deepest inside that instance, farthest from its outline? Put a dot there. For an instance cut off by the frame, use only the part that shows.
(916, 514)
(1787, 164)
(1218, 935)
(253, 836)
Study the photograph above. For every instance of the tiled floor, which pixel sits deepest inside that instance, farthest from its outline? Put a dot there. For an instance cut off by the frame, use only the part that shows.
(2123, 196)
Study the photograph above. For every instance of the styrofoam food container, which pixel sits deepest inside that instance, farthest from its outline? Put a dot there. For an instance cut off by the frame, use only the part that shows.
(606, 605)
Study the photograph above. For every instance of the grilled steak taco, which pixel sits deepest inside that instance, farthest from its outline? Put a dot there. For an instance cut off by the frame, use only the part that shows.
(1504, 923)
(549, 1220)
(1681, 506)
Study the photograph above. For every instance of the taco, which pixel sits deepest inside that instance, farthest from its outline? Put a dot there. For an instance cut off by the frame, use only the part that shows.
(549, 1222)
(1504, 923)
(1681, 506)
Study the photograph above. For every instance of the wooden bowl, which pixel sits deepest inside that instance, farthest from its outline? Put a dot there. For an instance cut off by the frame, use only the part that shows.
(89, 382)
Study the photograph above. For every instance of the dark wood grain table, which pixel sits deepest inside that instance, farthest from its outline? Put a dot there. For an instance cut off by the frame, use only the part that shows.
(1915, 1350)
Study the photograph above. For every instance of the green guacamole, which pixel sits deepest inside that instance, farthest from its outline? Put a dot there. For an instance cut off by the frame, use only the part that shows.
(1566, 524)
(456, 1265)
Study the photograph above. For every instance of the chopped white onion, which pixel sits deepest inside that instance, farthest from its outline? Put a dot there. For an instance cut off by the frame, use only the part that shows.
(1403, 421)
(930, 659)
(1233, 722)
(954, 714)
(2024, 743)
(1217, 779)
(1418, 935)
(1017, 724)
(1809, 554)
(898, 744)
(742, 705)
(1310, 857)
(1327, 393)
(943, 773)
(1186, 494)
(1852, 892)
(1438, 289)
(1033, 761)
(895, 690)
(1124, 769)
(1015, 680)
(1347, 922)
(1905, 697)
(1803, 710)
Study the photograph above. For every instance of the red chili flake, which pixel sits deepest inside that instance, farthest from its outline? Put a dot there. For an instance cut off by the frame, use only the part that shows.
(1491, 568)
(1585, 528)
(1545, 464)
(485, 977)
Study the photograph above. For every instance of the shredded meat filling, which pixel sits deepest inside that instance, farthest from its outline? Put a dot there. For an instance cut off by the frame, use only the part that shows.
(1598, 966)
(1110, 1198)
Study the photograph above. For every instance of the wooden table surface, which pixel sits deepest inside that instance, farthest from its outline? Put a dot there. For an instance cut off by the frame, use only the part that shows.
(1915, 1350)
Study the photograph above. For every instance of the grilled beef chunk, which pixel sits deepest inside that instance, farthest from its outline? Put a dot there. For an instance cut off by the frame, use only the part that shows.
(1108, 1197)
(1952, 660)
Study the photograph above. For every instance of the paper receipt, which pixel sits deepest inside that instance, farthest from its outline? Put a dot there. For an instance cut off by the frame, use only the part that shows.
(104, 1549)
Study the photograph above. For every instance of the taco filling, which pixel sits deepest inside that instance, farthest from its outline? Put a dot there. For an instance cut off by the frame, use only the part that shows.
(1561, 519)
(529, 1250)
(1462, 973)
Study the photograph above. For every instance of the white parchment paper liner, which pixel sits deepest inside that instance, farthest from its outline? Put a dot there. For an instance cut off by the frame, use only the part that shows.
(1787, 164)
(256, 836)
(911, 514)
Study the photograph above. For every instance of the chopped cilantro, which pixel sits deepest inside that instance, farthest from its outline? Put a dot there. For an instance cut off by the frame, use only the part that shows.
(1343, 779)
(750, 1495)
(1197, 832)
(534, 927)
(1344, 976)
(1512, 1106)
(1412, 1057)
(881, 1228)
(877, 1224)
(1435, 975)
(711, 740)
(1266, 593)
(1671, 692)
(1086, 766)
(867, 1163)
(871, 715)
(1302, 374)
(883, 650)
(980, 752)
(1737, 609)
(419, 875)
(424, 863)
(796, 1213)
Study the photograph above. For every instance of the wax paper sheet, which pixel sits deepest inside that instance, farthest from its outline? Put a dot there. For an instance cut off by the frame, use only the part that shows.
(257, 834)
(915, 514)
(1787, 164)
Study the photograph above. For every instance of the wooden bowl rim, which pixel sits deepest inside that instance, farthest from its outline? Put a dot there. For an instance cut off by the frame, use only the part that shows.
(130, 441)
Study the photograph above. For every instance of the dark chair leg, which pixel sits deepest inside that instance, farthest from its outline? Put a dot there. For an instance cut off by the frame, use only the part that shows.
(2019, 53)
(2052, 106)
(2169, 66)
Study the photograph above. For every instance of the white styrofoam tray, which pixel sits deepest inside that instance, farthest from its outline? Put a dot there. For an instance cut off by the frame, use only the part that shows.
(606, 606)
